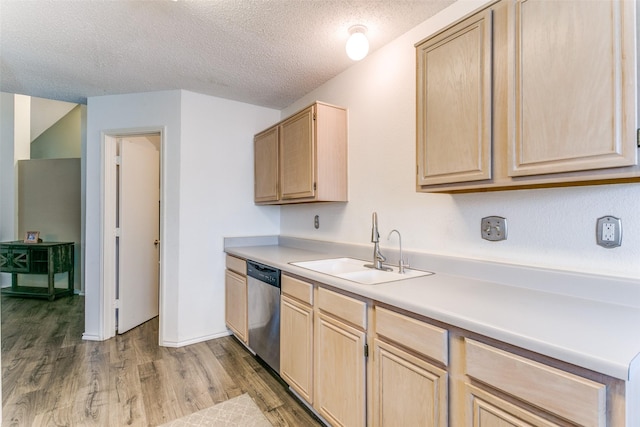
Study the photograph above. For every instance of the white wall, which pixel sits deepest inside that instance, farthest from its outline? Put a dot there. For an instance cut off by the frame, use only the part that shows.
(207, 194)
(63, 139)
(552, 228)
(46, 112)
(49, 202)
(14, 145)
(7, 174)
(120, 113)
(216, 200)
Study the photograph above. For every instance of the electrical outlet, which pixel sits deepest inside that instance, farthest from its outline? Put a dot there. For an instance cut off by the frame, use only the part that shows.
(316, 221)
(494, 228)
(609, 232)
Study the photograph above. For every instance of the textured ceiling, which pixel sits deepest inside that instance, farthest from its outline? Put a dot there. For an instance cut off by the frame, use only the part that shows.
(263, 52)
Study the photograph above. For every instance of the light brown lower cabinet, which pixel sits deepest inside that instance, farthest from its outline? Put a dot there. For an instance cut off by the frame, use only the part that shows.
(340, 368)
(410, 380)
(408, 390)
(489, 410)
(296, 336)
(235, 299)
(523, 392)
(340, 362)
(420, 372)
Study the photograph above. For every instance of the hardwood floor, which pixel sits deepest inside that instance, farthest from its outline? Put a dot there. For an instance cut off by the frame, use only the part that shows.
(51, 377)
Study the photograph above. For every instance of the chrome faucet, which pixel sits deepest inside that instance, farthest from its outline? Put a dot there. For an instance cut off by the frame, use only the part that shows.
(401, 264)
(378, 258)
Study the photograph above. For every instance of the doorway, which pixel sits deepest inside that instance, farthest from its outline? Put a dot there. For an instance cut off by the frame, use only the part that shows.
(131, 232)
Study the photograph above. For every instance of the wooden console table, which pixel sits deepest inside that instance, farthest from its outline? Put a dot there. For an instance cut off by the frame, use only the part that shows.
(47, 258)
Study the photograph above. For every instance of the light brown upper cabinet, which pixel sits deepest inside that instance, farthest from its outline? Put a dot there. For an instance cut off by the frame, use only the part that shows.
(297, 177)
(454, 108)
(572, 108)
(560, 109)
(303, 158)
(265, 166)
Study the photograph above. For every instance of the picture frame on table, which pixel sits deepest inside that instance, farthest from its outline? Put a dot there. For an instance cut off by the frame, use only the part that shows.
(32, 237)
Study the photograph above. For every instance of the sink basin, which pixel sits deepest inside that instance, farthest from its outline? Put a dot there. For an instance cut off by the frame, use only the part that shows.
(355, 270)
(333, 266)
(372, 276)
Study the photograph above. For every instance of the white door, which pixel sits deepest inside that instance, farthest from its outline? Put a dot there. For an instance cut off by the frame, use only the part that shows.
(138, 244)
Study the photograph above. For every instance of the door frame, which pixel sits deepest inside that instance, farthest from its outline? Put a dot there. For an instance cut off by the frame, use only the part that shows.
(108, 198)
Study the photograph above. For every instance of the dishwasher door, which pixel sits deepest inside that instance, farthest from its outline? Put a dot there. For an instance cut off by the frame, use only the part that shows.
(264, 314)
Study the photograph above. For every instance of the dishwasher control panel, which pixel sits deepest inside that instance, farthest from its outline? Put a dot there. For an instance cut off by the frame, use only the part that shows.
(263, 273)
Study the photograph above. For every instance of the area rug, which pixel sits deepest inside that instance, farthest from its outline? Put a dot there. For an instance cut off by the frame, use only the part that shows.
(240, 411)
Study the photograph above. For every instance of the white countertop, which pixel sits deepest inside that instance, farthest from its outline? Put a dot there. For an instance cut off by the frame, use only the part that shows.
(597, 335)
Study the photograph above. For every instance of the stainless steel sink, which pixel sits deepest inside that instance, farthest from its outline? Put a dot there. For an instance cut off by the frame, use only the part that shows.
(354, 269)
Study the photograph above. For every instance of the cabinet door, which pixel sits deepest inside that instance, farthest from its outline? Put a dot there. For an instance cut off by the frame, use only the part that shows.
(408, 391)
(454, 103)
(340, 372)
(297, 156)
(573, 86)
(15, 260)
(266, 166)
(235, 304)
(488, 410)
(296, 346)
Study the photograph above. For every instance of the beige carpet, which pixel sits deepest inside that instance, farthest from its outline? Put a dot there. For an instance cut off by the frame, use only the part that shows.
(240, 411)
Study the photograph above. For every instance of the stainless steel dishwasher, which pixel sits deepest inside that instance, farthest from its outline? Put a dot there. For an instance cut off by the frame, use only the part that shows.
(264, 312)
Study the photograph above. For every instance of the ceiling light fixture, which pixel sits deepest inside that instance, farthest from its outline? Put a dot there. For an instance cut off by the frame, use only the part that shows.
(357, 44)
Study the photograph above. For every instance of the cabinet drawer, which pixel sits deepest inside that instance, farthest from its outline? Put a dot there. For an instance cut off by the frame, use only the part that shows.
(567, 395)
(237, 264)
(421, 337)
(343, 307)
(297, 289)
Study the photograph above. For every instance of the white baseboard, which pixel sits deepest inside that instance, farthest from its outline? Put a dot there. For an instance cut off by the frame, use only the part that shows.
(194, 340)
(91, 337)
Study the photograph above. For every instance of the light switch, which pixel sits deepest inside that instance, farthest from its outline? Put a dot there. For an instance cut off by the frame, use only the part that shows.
(493, 228)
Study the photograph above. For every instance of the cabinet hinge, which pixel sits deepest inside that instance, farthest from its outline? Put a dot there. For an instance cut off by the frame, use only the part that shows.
(116, 303)
(315, 186)
(116, 232)
(366, 350)
(638, 138)
(118, 160)
(314, 116)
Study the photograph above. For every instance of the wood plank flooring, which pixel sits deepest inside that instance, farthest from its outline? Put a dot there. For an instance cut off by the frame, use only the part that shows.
(51, 377)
